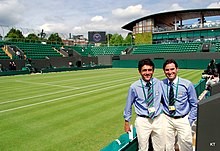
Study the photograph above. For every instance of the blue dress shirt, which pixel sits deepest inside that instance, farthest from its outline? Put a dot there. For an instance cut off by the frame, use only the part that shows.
(185, 96)
(136, 97)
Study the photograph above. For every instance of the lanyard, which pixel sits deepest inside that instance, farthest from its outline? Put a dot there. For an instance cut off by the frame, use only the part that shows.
(144, 90)
(176, 89)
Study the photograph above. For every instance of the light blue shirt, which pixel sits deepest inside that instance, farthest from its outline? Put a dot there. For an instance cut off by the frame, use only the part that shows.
(185, 96)
(136, 97)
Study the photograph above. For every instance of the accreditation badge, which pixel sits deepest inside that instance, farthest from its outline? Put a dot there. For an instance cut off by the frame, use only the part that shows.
(180, 94)
(151, 109)
(172, 108)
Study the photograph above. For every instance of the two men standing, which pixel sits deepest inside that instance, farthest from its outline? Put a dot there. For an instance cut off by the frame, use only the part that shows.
(164, 108)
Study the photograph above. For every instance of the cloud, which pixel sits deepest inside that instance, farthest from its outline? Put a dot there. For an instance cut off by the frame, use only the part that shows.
(174, 7)
(56, 27)
(114, 27)
(10, 12)
(54, 18)
(214, 5)
(202, 1)
(130, 12)
(97, 19)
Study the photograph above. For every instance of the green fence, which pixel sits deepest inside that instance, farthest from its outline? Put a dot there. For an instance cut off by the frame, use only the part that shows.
(123, 143)
(9, 73)
(184, 64)
(200, 86)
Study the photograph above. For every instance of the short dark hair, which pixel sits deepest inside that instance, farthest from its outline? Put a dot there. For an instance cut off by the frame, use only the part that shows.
(168, 61)
(143, 62)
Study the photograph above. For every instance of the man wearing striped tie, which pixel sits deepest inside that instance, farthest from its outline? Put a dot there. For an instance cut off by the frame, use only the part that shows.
(145, 94)
(180, 107)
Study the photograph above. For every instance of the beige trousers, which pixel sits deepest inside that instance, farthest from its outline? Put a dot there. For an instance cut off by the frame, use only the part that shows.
(146, 127)
(181, 128)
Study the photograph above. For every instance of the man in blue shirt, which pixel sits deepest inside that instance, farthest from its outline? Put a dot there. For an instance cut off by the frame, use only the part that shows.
(180, 107)
(145, 94)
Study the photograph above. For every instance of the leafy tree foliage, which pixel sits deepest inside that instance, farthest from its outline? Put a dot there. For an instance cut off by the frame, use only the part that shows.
(116, 39)
(128, 39)
(55, 38)
(32, 38)
(15, 35)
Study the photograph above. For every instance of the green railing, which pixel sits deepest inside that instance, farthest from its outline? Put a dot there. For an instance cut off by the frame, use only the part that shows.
(200, 86)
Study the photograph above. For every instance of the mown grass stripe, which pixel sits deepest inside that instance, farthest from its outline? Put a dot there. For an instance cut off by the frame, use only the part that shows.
(56, 99)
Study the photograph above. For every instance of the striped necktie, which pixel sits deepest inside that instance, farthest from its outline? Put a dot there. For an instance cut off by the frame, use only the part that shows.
(150, 99)
(171, 98)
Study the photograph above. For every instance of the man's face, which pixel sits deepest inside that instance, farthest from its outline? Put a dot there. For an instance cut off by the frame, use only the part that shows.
(170, 71)
(146, 72)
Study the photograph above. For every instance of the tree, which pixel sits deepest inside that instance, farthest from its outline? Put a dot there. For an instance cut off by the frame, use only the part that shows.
(116, 39)
(32, 38)
(128, 39)
(14, 35)
(113, 39)
(119, 40)
(55, 38)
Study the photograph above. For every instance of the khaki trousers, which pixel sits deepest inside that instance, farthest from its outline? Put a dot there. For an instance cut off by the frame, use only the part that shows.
(146, 127)
(181, 128)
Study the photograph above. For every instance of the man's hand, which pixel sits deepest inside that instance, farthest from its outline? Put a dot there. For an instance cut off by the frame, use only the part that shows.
(127, 127)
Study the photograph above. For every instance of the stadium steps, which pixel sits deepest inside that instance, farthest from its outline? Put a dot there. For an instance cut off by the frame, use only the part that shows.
(110, 50)
(83, 51)
(5, 53)
(58, 49)
(37, 50)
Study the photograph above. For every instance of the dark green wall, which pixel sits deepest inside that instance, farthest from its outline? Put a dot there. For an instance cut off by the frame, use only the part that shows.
(184, 64)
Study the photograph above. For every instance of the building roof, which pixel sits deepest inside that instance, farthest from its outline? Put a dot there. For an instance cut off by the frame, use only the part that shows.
(168, 18)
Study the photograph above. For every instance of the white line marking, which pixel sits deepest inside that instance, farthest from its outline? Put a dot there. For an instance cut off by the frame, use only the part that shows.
(21, 99)
(94, 77)
(65, 96)
(53, 100)
(46, 84)
(61, 81)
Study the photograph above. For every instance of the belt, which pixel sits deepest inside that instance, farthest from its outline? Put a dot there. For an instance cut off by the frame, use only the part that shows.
(145, 116)
(175, 117)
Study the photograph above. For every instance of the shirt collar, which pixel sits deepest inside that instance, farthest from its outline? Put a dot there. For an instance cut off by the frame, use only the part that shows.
(174, 81)
(145, 83)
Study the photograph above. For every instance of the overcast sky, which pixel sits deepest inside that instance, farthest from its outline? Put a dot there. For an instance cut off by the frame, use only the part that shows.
(80, 16)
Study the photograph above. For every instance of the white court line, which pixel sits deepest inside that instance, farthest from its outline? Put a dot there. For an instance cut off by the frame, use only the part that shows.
(70, 73)
(76, 79)
(46, 84)
(53, 100)
(21, 99)
(60, 81)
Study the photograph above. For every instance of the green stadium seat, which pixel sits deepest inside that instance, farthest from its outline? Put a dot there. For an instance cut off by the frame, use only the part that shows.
(166, 48)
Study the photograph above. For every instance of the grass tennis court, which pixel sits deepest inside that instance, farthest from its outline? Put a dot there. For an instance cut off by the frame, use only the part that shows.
(79, 110)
